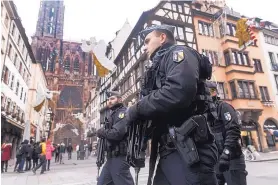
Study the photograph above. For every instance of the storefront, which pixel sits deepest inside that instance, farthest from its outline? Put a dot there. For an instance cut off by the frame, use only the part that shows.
(271, 140)
(11, 131)
(249, 135)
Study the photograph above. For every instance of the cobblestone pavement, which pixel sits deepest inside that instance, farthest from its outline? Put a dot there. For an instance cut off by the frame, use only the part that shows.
(84, 172)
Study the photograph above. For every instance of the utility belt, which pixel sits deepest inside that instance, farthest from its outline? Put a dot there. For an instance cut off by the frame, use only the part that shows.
(117, 150)
(193, 132)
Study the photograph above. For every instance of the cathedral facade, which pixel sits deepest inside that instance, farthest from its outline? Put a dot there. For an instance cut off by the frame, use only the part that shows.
(68, 70)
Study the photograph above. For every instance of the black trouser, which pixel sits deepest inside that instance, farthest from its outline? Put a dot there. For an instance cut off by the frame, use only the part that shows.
(35, 162)
(172, 170)
(41, 164)
(18, 160)
(69, 155)
(48, 164)
(115, 171)
(28, 164)
(57, 157)
(236, 174)
(2, 166)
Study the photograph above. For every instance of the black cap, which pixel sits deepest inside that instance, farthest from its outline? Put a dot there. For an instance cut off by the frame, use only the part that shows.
(112, 93)
(211, 85)
(162, 28)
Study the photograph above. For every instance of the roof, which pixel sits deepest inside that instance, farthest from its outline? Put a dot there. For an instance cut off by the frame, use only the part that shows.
(15, 17)
(139, 23)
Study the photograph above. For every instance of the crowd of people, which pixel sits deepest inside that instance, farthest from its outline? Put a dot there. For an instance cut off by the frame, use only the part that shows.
(31, 155)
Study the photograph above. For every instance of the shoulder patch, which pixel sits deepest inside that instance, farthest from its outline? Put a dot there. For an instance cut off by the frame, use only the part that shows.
(178, 56)
(227, 116)
(121, 115)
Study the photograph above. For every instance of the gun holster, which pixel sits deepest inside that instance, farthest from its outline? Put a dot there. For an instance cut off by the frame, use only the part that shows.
(183, 141)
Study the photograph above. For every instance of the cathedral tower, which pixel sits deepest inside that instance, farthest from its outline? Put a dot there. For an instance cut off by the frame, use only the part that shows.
(67, 69)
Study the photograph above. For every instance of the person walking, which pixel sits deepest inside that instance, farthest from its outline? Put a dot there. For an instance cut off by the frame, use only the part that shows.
(49, 150)
(5, 155)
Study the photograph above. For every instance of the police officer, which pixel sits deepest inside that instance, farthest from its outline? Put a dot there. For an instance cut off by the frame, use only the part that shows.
(116, 169)
(170, 102)
(226, 129)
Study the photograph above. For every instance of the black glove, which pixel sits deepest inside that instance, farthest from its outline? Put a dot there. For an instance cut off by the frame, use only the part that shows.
(224, 162)
(101, 132)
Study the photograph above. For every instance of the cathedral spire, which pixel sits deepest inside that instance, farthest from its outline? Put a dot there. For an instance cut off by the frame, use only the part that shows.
(51, 19)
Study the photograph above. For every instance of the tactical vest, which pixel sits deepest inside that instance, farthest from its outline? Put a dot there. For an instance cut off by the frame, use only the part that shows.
(203, 101)
(115, 148)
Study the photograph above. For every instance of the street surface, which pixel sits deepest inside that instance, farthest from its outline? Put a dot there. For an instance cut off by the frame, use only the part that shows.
(84, 172)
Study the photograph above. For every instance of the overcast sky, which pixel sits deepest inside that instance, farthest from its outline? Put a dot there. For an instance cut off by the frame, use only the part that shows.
(102, 18)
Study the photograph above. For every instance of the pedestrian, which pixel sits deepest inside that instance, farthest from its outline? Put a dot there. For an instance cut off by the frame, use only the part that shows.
(69, 150)
(231, 168)
(41, 150)
(62, 151)
(57, 153)
(22, 154)
(273, 132)
(175, 99)
(49, 150)
(29, 156)
(6, 153)
(116, 170)
(35, 155)
(77, 152)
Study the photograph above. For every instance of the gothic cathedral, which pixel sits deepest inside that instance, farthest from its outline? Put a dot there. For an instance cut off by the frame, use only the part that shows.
(67, 69)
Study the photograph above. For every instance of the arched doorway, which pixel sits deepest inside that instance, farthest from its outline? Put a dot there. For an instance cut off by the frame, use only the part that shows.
(271, 140)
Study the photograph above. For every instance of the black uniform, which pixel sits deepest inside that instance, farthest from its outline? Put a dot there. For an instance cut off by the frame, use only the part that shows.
(226, 129)
(172, 101)
(116, 169)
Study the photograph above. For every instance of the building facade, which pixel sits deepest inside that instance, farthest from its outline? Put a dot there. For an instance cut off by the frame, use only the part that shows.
(210, 28)
(242, 75)
(268, 37)
(37, 103)
(67, 69)
(17, 59)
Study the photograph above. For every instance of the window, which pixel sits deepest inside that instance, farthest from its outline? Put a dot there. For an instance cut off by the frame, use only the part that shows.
(264, 93)
(6, 22)
(3, 44)
(233, 89)
(21, 93)
(18, 40)
(15, 59)
(205, 29)
(20, 68)
(221, 91)
(276, 80)
(212, 55)
(257, 65)
(271, 39)
(246, 89)
(13, 30)
(231, 29)
(17, 88)
(274, 65)
(239, 58)
(227, 58)
(5, 75)
(12, 83)
(10, 51)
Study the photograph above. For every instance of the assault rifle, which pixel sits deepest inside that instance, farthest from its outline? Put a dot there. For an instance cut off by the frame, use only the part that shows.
(138, 135)
(100, 150)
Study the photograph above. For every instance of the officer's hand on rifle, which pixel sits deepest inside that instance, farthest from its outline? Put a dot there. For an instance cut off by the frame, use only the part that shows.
(101, 132)
(224, 161)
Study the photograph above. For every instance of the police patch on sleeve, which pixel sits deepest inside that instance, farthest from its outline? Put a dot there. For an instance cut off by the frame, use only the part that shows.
(178, 56)
(121, 115)
(227, 116)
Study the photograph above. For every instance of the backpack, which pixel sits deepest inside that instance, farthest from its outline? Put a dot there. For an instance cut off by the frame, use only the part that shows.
(38, 149)
(18, 151)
